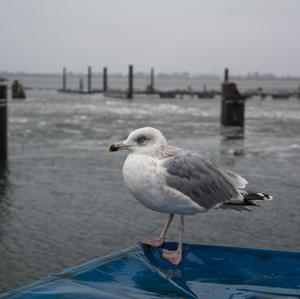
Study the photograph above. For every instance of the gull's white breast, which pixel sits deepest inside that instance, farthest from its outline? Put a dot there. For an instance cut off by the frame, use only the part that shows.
(144, 177)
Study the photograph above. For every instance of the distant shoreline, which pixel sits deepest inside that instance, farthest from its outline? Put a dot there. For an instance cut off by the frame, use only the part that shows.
(163, 75)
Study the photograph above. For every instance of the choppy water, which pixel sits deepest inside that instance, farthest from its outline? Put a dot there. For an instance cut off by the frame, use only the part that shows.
(63, 201)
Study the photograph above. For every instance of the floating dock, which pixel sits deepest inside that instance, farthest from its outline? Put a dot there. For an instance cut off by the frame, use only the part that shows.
(206, 272)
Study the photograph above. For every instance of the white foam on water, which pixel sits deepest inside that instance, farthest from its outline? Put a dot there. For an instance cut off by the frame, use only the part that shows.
(18, 120)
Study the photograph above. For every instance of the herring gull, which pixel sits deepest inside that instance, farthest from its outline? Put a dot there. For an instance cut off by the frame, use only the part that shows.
(176, 181)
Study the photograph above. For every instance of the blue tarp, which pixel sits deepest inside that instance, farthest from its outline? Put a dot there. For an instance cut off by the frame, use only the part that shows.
(206, 272)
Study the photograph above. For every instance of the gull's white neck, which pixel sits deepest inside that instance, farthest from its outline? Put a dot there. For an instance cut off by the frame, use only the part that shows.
(158, 152)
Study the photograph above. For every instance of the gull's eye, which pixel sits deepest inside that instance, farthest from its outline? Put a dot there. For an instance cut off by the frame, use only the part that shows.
(141, 139)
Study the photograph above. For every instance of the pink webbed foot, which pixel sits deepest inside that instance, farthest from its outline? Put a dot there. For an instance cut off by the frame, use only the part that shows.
(174, 257)
(154, 243)
(158, 242)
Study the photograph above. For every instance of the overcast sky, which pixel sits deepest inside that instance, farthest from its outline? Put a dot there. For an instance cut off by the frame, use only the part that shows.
(199, 36)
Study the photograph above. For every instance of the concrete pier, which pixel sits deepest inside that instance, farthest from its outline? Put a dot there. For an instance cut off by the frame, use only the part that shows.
(3, 123)
(130, 82)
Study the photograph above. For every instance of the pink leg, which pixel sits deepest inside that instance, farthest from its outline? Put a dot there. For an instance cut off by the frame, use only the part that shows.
(158, 242)
(174, 257)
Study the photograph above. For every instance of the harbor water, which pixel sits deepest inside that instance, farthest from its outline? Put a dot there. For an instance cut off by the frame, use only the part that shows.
(62, 196)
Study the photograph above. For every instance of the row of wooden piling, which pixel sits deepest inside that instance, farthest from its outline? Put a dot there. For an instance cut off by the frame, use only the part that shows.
(89, 82)
(150, 89)
(128, 94)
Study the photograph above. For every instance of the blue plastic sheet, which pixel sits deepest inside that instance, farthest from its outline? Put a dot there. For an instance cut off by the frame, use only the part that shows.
(207, 272)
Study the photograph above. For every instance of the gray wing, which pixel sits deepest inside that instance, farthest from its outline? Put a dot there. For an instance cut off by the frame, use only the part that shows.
(198, 178)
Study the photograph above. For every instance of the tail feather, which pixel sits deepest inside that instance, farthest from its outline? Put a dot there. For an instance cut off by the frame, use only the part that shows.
(257, 196)
(249, 199)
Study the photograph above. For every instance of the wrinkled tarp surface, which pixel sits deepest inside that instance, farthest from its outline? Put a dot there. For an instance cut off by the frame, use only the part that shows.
(206, 272)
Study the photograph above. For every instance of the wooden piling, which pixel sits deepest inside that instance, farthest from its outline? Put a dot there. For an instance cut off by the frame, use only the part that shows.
(130, 82)
(152, 80)
(3, 123)
(64, 79)
(89, 79)
(226, 75)
(81, 86)
(17, 90)
(104, 79)
(233, 106)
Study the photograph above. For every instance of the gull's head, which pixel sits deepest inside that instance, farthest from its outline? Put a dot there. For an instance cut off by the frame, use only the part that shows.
(144, 141)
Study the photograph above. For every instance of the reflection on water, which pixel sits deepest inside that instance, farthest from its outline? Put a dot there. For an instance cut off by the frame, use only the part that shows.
(3, 178)
(232, 133)
(4, 175)
(63, 200)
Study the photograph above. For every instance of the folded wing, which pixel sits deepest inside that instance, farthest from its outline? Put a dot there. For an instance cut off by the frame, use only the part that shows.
(200, 179)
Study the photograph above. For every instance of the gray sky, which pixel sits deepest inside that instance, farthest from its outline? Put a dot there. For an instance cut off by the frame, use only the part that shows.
(171, 35)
